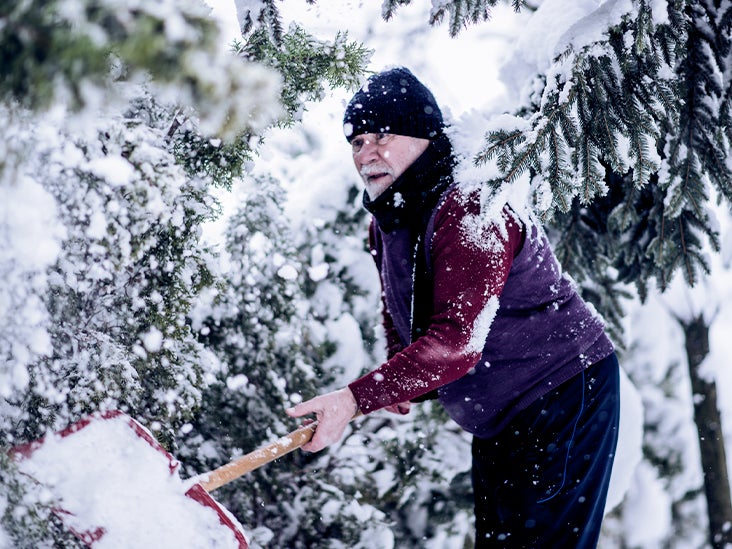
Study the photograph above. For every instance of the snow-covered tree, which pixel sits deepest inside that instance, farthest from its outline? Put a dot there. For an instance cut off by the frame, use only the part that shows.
(120, 122)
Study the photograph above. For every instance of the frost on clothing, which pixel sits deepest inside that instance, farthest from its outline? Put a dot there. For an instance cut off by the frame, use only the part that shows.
(541, 332)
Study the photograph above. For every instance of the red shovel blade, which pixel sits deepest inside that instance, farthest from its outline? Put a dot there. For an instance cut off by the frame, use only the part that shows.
(118, 487)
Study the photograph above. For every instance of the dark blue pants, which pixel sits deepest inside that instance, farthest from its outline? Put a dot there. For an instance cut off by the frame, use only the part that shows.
(542, 482)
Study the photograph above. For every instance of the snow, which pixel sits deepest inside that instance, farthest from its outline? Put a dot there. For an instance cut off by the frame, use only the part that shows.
(629, 452)
(153, 340)
(482, 326)
(30, 240)
(556, 25)
(106, 475)
(650, 502)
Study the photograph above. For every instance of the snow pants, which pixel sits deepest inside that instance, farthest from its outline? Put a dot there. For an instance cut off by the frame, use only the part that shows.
(543, 481)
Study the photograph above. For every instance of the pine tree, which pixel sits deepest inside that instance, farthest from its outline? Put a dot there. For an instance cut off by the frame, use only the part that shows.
(272, 353)
(638, 171)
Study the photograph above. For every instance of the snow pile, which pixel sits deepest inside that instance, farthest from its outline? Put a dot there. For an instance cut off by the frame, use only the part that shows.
(105, 475)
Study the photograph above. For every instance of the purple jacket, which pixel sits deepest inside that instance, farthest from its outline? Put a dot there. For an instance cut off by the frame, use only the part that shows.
(504, 326)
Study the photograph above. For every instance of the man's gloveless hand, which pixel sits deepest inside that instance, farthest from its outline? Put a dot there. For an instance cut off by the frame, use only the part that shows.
(333, 411)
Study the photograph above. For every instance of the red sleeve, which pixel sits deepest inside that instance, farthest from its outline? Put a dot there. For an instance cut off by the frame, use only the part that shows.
(469, 274)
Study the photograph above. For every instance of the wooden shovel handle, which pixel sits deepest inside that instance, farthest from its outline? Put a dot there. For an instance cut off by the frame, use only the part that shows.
(253, 460)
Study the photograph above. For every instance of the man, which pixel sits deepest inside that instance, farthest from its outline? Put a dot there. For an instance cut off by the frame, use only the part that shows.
(478, 314)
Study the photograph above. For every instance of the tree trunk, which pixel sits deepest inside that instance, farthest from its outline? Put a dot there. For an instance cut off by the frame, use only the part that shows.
(711, 437)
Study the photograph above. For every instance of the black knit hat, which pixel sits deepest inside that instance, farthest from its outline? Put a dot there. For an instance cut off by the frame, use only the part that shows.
(393, 101)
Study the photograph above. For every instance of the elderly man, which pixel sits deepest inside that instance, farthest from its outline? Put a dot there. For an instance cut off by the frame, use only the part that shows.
(478, 315)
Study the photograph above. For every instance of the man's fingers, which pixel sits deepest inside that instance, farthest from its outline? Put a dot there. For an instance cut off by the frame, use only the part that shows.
(402, 408)
(313, 445)
(319, 441)
(333, 410)
(300, 410)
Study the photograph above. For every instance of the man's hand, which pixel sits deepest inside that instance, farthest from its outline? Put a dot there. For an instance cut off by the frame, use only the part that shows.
(333, 411)
(402, 408)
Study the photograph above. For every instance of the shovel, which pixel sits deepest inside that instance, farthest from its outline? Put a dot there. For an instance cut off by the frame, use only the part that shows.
(112, 440)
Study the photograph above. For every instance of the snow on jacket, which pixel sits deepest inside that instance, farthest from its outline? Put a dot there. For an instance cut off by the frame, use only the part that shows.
(484, 316)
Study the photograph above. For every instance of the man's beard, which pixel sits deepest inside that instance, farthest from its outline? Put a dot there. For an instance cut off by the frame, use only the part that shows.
(374, 187)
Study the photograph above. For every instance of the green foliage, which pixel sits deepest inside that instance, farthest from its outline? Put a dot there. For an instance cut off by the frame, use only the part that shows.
(423, 498)
(119, 120)
(81, 39)
(305, 62)
(215, 160)
(268, 18)
(119, 293)
(268, 356)
(78, 53)
(30, 34)
(624, 138)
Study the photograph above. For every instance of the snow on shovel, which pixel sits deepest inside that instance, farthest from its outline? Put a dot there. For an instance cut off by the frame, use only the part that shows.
(118, 487)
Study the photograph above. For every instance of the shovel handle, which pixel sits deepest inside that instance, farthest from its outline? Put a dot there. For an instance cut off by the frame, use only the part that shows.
(253, 460)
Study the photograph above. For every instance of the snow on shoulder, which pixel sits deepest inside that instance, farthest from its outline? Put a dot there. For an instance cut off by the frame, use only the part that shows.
(117, 488)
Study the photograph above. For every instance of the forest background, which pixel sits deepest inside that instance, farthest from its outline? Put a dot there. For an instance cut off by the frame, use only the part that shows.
(182, 239)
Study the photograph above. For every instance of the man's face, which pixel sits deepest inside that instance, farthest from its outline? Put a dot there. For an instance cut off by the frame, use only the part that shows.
(381, 158)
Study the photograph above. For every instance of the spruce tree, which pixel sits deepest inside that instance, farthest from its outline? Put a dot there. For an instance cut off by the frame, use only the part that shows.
(640, 213)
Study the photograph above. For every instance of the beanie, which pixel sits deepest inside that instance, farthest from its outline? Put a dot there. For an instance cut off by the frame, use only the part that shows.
(393, 101)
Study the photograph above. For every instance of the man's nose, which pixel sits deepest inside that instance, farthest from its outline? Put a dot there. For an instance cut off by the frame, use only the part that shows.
(369, 150)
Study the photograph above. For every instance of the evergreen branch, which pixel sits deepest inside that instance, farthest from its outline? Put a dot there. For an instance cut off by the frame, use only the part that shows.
(555, 175)
(461, 13)
(305, 62)
(628, 209)
(523, 162)
(611, 144)
(500, 141)
(687, 190)
(389, 7)
(590, 174)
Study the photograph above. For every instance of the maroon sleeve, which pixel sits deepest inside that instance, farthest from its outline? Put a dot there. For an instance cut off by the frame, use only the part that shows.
(469, 274)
